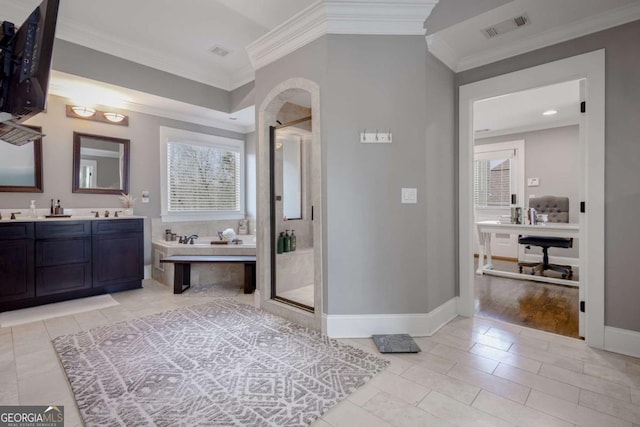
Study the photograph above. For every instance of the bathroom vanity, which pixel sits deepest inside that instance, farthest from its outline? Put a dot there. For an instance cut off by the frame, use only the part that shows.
(50, 260)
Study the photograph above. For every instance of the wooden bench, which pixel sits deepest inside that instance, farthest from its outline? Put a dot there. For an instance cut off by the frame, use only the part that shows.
(182, 269)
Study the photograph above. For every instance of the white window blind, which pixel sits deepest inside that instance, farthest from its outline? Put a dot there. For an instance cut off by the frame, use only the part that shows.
(203, 178)
(201, 175)
(493, 178)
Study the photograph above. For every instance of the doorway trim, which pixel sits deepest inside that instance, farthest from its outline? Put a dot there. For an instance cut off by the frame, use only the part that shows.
(589, 66)
(273, 101)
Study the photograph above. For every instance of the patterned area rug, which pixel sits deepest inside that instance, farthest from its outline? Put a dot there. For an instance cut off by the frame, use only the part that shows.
(217, 364)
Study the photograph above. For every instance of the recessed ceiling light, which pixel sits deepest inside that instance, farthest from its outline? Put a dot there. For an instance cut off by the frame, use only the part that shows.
(550, 113)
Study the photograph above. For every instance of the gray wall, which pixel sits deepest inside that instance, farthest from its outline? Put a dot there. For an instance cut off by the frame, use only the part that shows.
(242, 97)
(381, 256)
(622, 155)
(92, 64)
(57, 149)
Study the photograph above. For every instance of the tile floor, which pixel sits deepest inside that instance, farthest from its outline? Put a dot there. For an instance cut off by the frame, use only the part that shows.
(473, 372)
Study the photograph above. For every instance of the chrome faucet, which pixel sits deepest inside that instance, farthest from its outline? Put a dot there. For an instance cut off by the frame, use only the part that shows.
(190, 239)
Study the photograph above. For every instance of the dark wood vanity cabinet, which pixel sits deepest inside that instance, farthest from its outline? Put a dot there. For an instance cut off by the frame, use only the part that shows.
(43, 262)
(63, 257)
(17, 278)
(118, 253)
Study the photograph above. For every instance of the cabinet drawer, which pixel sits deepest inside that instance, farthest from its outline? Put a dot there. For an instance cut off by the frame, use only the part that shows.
(63, 251)
(112, 226)
(48, 230)
(16, 230)
(55, 280)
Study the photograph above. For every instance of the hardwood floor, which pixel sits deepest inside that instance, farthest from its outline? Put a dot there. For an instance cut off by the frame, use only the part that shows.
(543, 306)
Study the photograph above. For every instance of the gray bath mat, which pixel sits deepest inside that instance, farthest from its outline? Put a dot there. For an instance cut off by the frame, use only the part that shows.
(396, 343)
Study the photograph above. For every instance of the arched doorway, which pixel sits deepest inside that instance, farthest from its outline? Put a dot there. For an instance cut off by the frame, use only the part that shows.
(283, 99)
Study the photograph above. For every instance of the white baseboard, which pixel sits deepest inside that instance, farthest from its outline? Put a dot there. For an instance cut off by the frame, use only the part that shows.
(622, 341)
(147, 271)
(561, 260)
(365, 325)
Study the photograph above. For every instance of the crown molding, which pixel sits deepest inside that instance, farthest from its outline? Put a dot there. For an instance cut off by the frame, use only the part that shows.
(299, 30)
(610, 18)
(340, 17)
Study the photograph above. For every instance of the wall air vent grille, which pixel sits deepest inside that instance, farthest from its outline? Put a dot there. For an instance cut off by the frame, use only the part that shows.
(506, 26)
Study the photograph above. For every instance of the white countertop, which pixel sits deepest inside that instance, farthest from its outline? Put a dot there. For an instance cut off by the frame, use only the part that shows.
(6, 219)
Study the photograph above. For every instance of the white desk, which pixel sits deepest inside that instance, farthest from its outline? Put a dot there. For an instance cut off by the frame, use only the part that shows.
(550, 229)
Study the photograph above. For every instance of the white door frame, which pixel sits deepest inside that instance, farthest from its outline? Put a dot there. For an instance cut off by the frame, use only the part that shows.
(589, 66)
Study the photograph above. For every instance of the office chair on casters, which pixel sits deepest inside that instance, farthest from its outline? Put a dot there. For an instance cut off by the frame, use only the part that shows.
(557, 208)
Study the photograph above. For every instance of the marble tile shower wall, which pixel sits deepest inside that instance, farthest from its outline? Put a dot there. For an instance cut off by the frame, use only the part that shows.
(201, 228)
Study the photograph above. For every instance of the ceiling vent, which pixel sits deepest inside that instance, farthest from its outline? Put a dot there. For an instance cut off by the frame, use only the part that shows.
(506, 26)
(219, 50)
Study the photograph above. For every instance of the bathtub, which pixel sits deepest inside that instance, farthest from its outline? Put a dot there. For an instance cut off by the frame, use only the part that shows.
(202, 273)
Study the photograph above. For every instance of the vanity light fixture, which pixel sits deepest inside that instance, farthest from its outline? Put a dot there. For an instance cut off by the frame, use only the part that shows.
(86, 113)
(550, 112)
(83, 111)
(114, 117)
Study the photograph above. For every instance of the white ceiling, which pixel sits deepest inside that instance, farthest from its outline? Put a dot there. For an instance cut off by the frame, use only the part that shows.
(173, 36)
(463, 46)
(522, 111)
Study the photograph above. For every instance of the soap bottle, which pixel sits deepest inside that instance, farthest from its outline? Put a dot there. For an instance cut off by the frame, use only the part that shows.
(293, 241)
(287, 241)
(32, 206)
(51, 211)
(281, 242)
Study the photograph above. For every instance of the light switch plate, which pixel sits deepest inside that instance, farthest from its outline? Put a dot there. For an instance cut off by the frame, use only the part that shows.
(533, 182)
(409, 195)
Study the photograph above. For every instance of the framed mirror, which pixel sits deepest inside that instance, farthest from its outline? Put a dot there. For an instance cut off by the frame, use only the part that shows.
(100, 164)
(21, 166)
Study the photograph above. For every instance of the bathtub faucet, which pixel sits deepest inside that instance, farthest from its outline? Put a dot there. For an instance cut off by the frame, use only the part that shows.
(190, 239)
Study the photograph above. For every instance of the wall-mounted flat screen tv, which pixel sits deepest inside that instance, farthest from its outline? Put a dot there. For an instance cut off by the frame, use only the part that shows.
(26, 61)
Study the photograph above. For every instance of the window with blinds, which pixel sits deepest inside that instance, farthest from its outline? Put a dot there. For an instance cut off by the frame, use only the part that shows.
(492, 182)
(202, 178)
